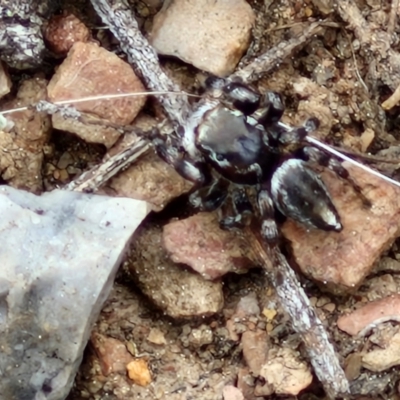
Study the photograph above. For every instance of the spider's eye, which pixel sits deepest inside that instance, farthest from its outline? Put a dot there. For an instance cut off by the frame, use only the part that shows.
(219, 157)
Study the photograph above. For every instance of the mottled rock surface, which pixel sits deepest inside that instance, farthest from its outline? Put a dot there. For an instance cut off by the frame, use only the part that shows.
(284, 373)
(90, 70)
(387, 352)
(63, 31)
(217, 33)
(150, 179)
(341, 261)
(199, 242)
(176, 291)
(21, 147)
(90, 129)
(370, 315)
(59, 255)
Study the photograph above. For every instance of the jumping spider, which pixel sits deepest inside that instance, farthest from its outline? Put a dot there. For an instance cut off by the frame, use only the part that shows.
(243, 139)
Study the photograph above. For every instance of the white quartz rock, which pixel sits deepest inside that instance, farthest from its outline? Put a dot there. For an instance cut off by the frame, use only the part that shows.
(58, 257)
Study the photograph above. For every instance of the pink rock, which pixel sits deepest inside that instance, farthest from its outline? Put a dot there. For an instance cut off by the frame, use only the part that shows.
(255, 349)
(342, 260)
(231, 392)
(62, 31)
(217, 33)
(112, 353)
(375, 312)
(199, 243)
(91, 70)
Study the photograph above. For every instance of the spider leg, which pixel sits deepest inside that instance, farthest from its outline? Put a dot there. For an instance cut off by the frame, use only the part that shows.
(170, 151)
(235, 95)
(239, 212)
(241, 97)
(296, 135)
(211, 197)
(269, 227)
(299, 193)
(318, 156)
(271, 109)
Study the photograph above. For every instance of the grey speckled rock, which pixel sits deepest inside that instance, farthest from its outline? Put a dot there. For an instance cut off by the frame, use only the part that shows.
(59, 254)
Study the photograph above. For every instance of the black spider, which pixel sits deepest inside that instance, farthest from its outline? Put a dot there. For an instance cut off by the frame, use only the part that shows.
(240, 135)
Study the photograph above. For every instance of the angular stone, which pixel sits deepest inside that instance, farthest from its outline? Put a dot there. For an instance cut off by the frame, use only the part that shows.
(285, 373)
(200, 243)
(62, 31)
(340, 261)
(381, 359)
(90, 70)
(255, 349)
(112, 354)
(149, 179)
(371, 314)
(217, 33)
(91, 130)
(178, 292)
(59, 255)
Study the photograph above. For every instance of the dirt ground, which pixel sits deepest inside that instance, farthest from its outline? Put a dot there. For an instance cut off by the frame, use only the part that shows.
(350, 70)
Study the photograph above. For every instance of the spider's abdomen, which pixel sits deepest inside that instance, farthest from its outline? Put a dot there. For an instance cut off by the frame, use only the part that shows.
(231, 145)
(299, 193)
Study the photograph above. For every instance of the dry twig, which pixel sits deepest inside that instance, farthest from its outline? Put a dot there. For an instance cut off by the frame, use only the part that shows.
(122, 23)
(275, 56)
(303, 317)
(91, 180)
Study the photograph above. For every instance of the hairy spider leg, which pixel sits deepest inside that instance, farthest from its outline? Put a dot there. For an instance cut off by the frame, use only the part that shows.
(269, 228)
(295, 135)
(318, 156)
(271, 109)
(211, 197)
(169, 151)
(237, 210)
(241, 97)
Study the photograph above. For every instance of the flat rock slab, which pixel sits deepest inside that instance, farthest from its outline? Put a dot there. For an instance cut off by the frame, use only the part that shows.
(212, 35)
(176, 291)
(90, 70)
(341, 261)
(370, 315)
(59, 255)
(200, 243)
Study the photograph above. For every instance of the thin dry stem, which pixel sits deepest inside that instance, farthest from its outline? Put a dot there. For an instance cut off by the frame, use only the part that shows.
(96, 177)
(303, 317)
(117, 15)
(274, 57)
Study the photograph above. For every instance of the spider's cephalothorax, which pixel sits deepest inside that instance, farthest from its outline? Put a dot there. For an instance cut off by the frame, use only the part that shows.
(241, 138)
